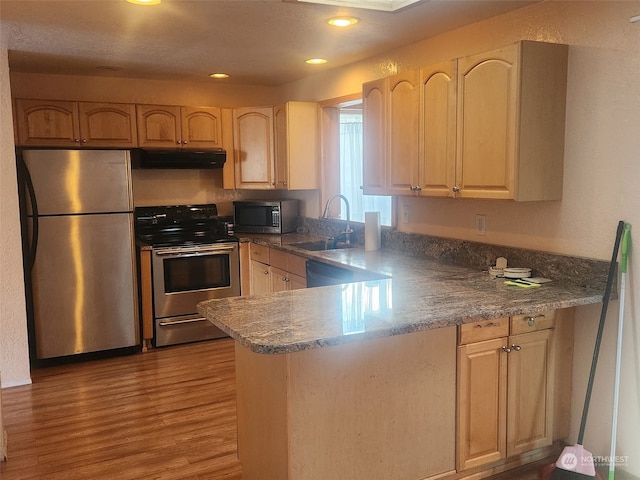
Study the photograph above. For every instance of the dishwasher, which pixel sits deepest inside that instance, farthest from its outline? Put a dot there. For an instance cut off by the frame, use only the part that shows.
(320, 274)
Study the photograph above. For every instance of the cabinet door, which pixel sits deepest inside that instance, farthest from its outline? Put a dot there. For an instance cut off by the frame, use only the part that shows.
(487, 123)
(297, 145)
(281, 147)
(260, 278)
(437, 162)
(47, 123)
(530, 392)
(253, 148)
(482, 401)
(201, 127)
(159, 126)
(108, 124)
(402, 129)
(374, 117)
(296, 281)
(279, 280)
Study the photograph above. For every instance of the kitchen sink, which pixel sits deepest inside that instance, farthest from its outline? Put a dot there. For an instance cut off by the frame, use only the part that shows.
(319, 245)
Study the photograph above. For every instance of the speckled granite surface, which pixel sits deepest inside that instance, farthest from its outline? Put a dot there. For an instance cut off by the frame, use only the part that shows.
(420, 294)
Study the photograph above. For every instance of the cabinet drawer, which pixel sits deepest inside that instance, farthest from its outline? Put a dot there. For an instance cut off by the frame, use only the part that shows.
(533, 322)
(288, 262)
(483, 330)
(297, 265)
(278, 259)
(260, 253)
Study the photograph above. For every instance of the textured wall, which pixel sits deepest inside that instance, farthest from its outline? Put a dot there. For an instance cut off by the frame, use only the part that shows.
(14, 357)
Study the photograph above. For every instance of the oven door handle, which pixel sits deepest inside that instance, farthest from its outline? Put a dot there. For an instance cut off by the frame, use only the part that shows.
(184, 251)
(182, 322)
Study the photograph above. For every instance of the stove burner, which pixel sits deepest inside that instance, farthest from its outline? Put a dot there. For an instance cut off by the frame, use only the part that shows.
(180, 225)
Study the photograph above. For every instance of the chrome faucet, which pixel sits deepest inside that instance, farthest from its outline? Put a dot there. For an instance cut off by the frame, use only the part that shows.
(347, 232)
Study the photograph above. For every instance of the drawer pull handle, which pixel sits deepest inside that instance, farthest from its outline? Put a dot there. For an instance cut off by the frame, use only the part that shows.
(490, 324)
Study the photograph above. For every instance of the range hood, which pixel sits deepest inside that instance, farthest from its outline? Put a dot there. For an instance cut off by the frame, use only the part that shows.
(178, 158)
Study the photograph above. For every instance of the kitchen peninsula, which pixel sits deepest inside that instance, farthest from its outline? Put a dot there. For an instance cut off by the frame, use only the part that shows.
(360, 381)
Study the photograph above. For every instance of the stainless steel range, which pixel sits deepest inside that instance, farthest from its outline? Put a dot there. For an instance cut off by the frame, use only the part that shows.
(193, 259)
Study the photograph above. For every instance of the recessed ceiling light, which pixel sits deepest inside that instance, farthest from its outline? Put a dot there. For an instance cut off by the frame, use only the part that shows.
(145, 2)
(316, 61)
(219, 75)
(343, 21)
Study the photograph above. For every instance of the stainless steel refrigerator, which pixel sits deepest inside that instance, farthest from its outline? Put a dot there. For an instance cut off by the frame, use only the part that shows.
(80, 265)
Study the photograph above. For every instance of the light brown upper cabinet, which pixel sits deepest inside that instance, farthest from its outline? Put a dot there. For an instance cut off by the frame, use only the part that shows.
(297, 152)
(390, 114)
(169, 126)
(437, 158)
(511, 116)
(277, 147)
(491, 126)
(75, 124)
(403, 95)
(374, 115)
(253, 147)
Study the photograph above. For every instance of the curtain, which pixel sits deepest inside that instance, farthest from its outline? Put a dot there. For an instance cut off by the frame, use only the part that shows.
(351, 179)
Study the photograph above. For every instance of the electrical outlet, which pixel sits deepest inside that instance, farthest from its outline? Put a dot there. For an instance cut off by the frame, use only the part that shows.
(405, 213)
(481, 224)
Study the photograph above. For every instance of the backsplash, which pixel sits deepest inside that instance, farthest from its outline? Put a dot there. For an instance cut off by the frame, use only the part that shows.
(562, 268)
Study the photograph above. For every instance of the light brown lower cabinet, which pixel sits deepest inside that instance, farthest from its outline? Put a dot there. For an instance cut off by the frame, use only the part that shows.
(505, 391)
(274, 270)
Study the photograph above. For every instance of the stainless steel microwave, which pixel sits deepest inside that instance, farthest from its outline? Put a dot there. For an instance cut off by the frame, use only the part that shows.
(265, 216)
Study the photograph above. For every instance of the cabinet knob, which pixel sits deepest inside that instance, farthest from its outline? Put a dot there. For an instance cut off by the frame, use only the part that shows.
(285, 279)
(515, 347)
(284, 184)
(266, 272)
(184, 142)
(532, 320)
(77, 140)
(456, 189)
(84, 140)
(506, 349)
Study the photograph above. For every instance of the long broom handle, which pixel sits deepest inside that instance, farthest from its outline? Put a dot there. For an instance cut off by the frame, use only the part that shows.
(603, 315)
(624, 250)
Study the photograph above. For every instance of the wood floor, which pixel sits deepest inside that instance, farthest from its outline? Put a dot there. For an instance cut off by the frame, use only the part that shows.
(167, 414)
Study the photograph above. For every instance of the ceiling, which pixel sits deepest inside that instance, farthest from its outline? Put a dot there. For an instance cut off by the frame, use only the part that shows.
(257, 42)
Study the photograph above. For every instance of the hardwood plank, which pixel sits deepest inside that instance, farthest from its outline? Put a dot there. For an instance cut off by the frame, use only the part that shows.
(165, 414)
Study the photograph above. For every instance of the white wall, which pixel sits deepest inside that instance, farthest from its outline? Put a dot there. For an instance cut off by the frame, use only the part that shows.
(14, 356)
(601, 176)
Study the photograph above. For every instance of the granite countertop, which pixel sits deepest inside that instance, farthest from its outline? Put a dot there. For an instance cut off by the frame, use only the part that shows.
(419, 294)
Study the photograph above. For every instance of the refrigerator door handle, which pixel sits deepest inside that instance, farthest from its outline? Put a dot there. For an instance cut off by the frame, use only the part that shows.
(28, 183)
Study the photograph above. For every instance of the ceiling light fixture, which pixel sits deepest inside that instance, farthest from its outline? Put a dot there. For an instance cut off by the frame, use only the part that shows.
(316, 61)
(384, 5)
(219, 75)
(343, 21)
(145, 2)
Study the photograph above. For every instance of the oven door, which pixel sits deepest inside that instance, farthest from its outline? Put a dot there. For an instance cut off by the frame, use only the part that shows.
(185, 276)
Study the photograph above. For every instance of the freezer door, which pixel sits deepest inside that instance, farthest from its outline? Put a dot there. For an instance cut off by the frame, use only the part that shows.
(80, 181)
(84, 285)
